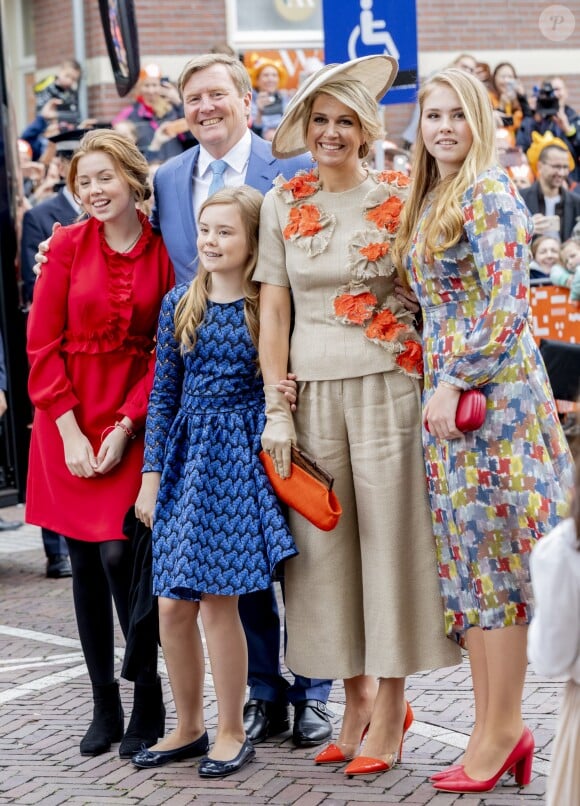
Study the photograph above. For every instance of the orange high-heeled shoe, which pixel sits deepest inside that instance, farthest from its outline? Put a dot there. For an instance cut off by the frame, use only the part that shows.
(520, 758)
(332, 754)
(365, 765)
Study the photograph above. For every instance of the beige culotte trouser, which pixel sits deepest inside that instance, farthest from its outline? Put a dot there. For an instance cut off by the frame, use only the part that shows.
(364, 598)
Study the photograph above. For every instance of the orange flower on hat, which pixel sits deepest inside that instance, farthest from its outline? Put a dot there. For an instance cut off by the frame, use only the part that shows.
(354, 308)
(411, 359)
(375, 251)
(302, 185)
(386, 215)
(384, 326)
(304, 221)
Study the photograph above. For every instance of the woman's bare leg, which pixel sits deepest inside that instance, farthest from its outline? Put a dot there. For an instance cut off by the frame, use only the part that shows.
(228, 656)
(184, 658)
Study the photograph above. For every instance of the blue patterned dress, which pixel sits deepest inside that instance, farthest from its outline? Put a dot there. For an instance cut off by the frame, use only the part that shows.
(218, 527)
(494, 491)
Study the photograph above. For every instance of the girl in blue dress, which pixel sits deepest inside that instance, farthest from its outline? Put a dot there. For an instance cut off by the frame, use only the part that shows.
(218, 531)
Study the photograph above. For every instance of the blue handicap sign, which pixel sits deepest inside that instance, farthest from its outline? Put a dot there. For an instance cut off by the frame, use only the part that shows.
(354, 28)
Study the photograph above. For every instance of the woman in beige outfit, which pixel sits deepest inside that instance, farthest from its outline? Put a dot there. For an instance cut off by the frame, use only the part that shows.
(362, 601)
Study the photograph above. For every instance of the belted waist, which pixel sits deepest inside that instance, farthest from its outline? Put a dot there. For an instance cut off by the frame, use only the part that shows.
(235, 401)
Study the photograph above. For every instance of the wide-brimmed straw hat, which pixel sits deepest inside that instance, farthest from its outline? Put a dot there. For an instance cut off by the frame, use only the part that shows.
(377, 73)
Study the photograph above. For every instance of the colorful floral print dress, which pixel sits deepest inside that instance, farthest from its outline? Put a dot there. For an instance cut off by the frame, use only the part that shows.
(494, 491)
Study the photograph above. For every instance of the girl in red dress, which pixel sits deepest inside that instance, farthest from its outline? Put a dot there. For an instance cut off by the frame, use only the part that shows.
(90, 340)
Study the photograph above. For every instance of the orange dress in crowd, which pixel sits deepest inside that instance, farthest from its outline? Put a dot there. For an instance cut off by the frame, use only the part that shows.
(91, 333)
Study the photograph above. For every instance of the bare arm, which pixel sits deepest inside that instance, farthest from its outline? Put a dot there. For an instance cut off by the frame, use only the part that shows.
(274, 332)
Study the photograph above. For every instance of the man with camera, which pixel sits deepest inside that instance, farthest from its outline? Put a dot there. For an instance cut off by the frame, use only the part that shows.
(64, 88)
(552, 114)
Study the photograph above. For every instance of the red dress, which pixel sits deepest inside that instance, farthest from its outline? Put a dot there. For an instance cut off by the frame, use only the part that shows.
(91, 334)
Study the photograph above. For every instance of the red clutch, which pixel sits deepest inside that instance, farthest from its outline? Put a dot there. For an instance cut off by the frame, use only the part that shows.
(470, 414)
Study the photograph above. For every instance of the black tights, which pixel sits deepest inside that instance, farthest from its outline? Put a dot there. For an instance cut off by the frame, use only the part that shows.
(101, 572)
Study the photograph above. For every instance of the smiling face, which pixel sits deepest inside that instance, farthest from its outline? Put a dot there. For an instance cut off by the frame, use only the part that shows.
(216, 114)
(334, 134)
(571, 255)
(505, 79)
(445, 131)
(149, 89)
(547, 253)
(222, 241)
(268, 80)
(103, 190)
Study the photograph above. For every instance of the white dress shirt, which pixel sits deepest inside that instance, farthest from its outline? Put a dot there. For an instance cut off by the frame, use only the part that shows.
(554, 634)
(237, 159)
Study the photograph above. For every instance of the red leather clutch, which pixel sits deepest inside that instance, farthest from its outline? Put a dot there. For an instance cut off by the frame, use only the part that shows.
(470, 414)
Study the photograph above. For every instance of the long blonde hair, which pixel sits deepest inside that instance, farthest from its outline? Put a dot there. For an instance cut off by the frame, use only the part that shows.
(444, 225)
(191, 308)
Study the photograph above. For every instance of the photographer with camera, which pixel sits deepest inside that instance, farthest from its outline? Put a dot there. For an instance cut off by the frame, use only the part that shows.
(553, 115)
(64, 87)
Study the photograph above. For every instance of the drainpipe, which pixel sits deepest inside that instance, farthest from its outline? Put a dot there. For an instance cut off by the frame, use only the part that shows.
(78, 15)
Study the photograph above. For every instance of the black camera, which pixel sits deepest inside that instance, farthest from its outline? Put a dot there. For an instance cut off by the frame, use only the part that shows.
(547, 103)
(507, 120)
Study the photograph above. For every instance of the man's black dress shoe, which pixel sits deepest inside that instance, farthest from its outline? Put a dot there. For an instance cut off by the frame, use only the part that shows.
(58, 566)
(311, 723)
(263, 719)
(212, 768)
(146, 758)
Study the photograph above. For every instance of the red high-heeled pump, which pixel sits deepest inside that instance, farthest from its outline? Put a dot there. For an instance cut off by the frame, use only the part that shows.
(366, 765)
(332, 754)
(520, 758)
(437, 776)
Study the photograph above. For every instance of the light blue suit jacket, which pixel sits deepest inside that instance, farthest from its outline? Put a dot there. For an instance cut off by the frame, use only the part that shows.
(172, 213)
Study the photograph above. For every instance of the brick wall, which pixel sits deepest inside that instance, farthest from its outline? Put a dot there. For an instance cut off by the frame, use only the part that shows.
(181, 28)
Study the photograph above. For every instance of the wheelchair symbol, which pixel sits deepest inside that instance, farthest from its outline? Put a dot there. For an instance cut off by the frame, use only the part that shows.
(371, 32)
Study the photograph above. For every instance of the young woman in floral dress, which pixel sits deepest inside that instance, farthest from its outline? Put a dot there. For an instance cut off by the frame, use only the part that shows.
(361, 601)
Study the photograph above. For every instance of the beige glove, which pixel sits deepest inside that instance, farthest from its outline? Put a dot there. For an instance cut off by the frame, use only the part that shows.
(279, 434)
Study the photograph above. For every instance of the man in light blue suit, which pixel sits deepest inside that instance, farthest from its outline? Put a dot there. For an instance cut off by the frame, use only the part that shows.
(216, 94)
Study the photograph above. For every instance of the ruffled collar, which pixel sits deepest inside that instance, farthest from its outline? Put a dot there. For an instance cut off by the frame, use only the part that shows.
(137, 250)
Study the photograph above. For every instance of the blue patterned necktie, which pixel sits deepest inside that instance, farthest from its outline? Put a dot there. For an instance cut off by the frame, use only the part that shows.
(217, 168)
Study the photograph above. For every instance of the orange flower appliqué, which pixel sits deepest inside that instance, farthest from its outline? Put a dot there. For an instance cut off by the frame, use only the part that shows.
(356, 308)
(395, 178)
(304, 221)
(375, 251)
(384, 326)
(386, 215)
(302, 185)
(411, 359)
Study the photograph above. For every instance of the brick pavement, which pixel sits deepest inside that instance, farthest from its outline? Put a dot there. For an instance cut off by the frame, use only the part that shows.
(45, 708)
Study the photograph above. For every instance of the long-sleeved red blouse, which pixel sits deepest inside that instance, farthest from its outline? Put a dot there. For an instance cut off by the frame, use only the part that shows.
(91, 334)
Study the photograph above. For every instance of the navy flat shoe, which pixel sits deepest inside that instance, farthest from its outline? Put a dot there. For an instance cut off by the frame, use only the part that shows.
(212, 768)
(146, 759)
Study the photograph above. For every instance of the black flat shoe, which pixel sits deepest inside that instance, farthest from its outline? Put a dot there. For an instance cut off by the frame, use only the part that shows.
(212, 768)
(263, 719)
(146, 759)
(312, 724)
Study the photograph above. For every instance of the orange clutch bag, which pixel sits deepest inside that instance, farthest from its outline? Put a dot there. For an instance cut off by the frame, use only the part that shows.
(308, 489)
